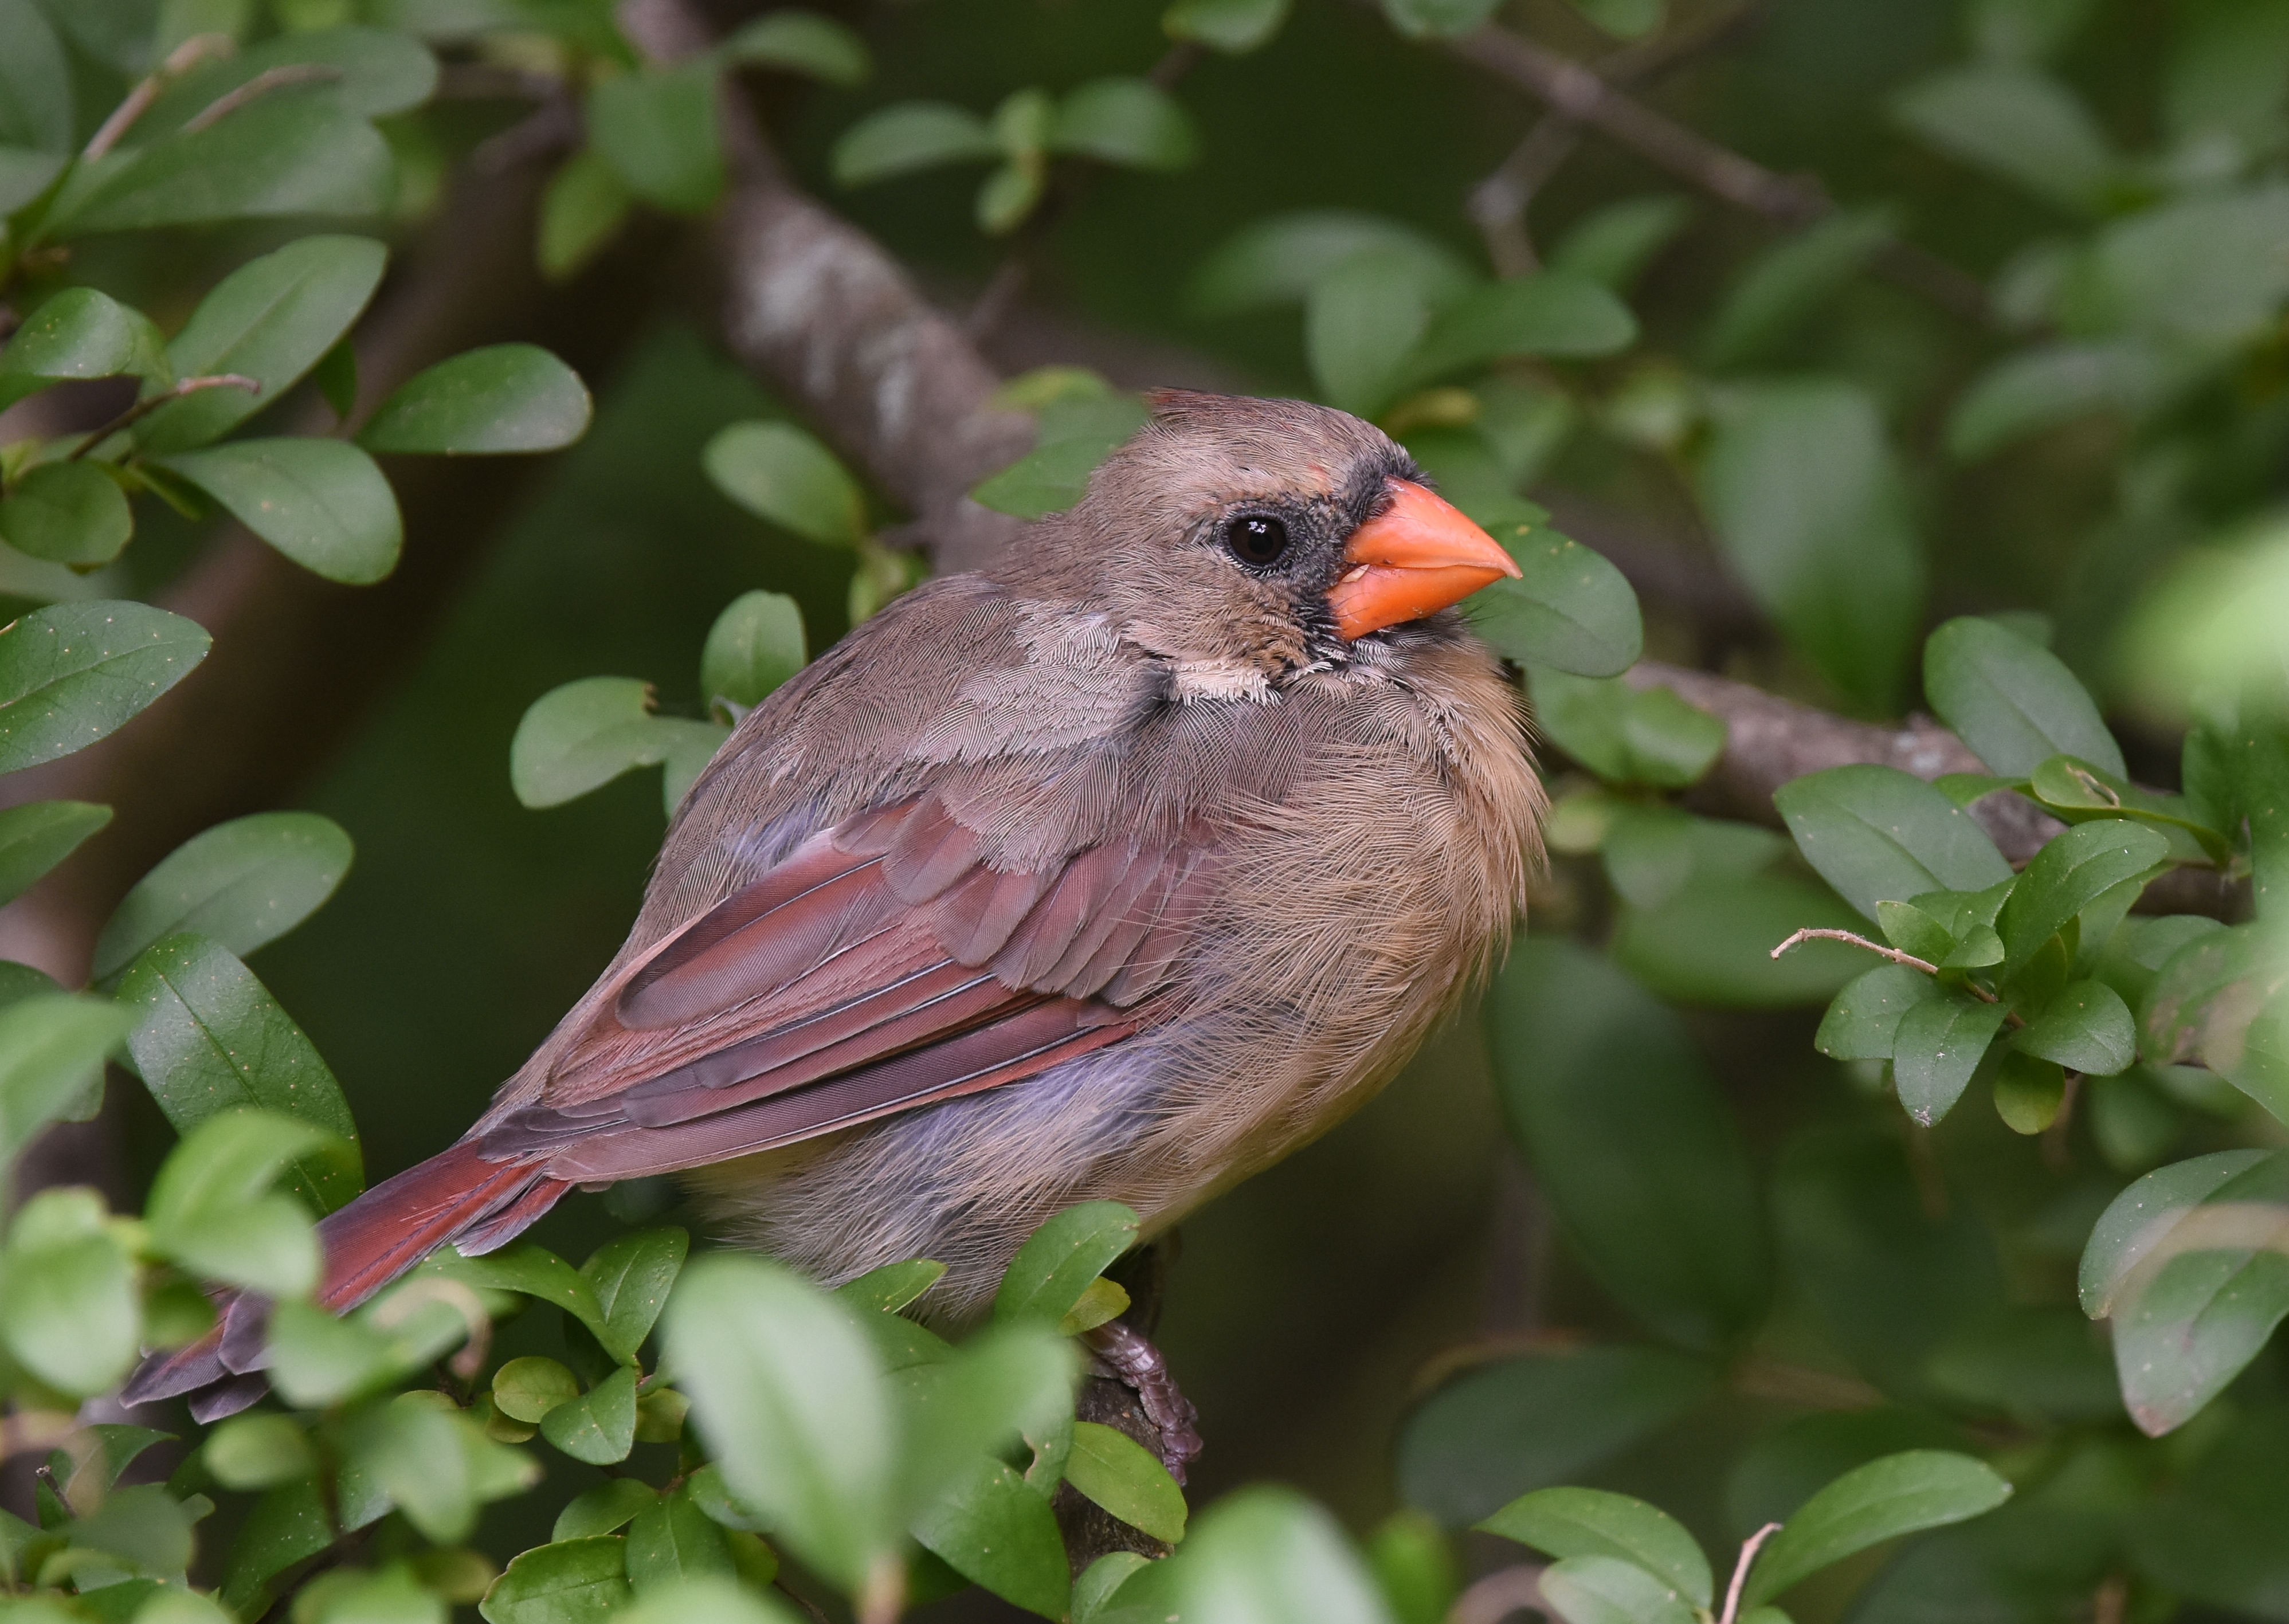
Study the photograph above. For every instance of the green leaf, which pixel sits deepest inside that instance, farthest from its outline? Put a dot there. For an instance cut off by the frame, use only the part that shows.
(995, 1530)
(1057, 1261)
(68, 1312)
(2029, 1093)
(244, 884)
(271, 320)
(803, 42)
(1603, 1590)
(1124, 1479)
(1437, 18)
(1808, 505)
(2077, 791)
(258, 1451)
(1076, 434)
(2070, 874)
(1625, 735)
(1877, 833)
(531, 1270)
(1713, 941)
(659, 129)
(1095, 1588)
(2187, 1263)
(2050, 384)
(2204, 272)
(24, 175)
(1651, 853)
(1267, 1556)
(505, 398)
(1593, 1523)
(2206, 1535)
(707, 1598)
(1863, 1022)
(2014, 123)
(583, 207)
(294, 151)
(605, 1508)
(1899, 1494)
(1631, 1142)
(2219, 1000)
(322, 503)
(35, 837)
(36, 81)
(671, 1541)
(378, 72)
(572, 1581)
(209, 1040)
(908, 136)
(2086, 1029)
(790, 1398)
(67, 513)
(755, 644)
(1790, 283)
(1129, 122)
(76, 334)
(1552, 313)
(582, 735)
(1912, 931)
(2014, 703)
(208, 1211)
(1010, 1382)
(778, 472)
(74, 673)
(1234, 27)
(1624, 18)
(1280, 259)
(1501, 1429)
(1613, 245)
(1362, 320)
(1938, 1045)
(893, 1286)
(630, 1276)
(1570, 611)
(600, 1426)
(50, 1043)
(528, 1389)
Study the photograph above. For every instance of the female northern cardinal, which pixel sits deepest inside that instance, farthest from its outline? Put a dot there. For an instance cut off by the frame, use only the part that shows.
(1120, 869)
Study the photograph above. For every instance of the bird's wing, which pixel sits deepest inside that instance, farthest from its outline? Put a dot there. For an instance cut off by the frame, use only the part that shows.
(882, 966)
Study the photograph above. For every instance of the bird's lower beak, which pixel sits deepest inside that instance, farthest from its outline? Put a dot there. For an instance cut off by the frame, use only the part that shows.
(1416, 557)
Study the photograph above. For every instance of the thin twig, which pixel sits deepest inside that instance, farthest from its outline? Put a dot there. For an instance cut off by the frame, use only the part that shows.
(143, 408)
(268, 80)
(181, 60)
(1749, 1548)
(1892, 953)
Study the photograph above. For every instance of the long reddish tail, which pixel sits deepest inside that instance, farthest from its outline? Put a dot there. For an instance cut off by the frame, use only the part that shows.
(456, 1197)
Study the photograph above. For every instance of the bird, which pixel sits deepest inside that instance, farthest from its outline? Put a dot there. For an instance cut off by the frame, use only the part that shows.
(1118, 869)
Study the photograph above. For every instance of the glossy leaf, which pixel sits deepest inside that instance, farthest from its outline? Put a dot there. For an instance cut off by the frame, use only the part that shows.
(1899, 1494)
(2077, 791)
(2070, 874)
(67, 513)
(1129, 122)
(2220, 1000)
(572, 1581)
(322, 503)
(658, 128)
(2086, 1029)
(74, 673)
(1076, 434)
(1631, 1142)
(790, 1398)
(243, 883)
(1809, 508)
(630, 1277)
(778, 472)
(2029, 1093)
(1123, 1478)
(1570, 610)
(908, 136)
(1606, 1590)
(1501, 1429)
(36, 836)
(502, 399)
(755, 644)
(270, 320)
(893, 1286)
(994, 1529)
(671, 1543)
(600, 1426)
(801, 42)
(1057, 1261)
(1938, 1045)
(76, 334)
(209, 1039)
(533, 1270)
(2014, 702)
(50, 1043)
(527, 1389)
(582, 735)
(1568, 1522)
(1234, 27)
(1877, 833)
(606, 1508)
(1268, 1555)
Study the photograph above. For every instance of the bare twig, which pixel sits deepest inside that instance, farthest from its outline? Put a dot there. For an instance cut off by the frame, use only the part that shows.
(143, 408)
(1749, 1548)
(268, 80)
(1892, 953)
(181, 60)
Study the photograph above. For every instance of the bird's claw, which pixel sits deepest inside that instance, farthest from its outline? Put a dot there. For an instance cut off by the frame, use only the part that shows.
(1137, 1363)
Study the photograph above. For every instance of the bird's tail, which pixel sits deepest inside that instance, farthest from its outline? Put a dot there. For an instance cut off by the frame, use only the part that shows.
(456, 1197)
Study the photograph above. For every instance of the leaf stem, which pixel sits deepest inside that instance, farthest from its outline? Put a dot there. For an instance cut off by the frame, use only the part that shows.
(138, 101)
(144, 408)
(1892, 953)
(1749, 1548)
(269, 79)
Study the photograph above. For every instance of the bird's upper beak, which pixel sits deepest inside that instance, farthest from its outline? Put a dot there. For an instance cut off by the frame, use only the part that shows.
(1416, 557)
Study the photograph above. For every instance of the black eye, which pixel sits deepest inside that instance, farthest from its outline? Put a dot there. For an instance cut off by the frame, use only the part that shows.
(1255, 538)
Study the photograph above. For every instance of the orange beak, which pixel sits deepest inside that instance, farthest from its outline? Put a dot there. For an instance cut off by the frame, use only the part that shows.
(1419, 556)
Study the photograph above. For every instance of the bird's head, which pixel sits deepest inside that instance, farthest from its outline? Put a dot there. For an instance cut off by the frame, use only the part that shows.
(1263, 533)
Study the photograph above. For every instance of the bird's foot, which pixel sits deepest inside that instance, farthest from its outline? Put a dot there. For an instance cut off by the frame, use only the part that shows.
(1133, 1359)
